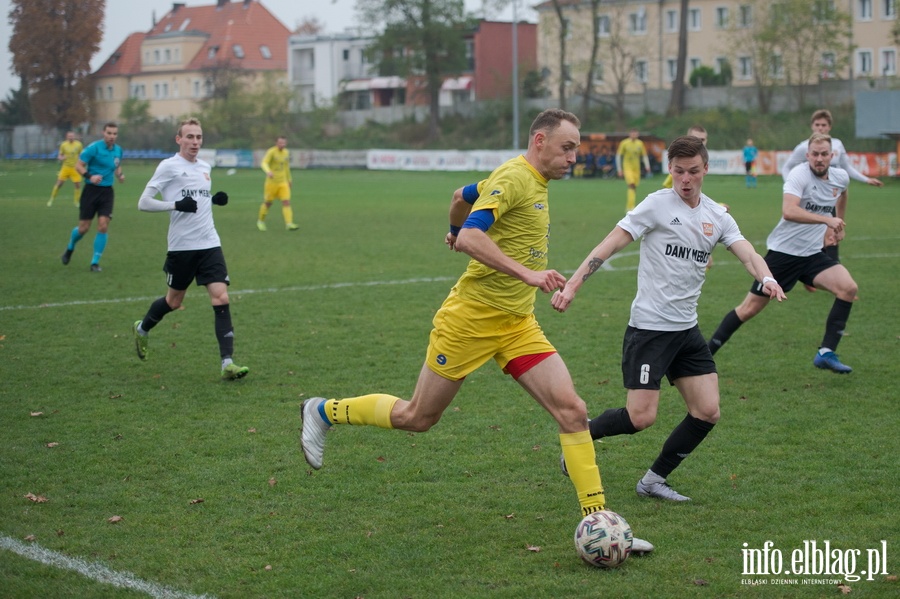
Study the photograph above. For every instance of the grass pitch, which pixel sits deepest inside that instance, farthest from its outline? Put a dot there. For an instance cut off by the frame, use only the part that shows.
(215, 497)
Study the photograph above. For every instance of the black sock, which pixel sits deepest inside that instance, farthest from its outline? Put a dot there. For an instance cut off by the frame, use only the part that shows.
(726, 329)
(224, 331)
(832, 252)
(614, 421)
(683, 440)
(158, 309)
(836, 323)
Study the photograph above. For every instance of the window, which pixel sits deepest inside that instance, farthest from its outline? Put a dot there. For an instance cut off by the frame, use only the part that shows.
(138, 91)
(238, 50)
(265, 52)
(109, 92)
(671, 69)
(156, 57)
(168, 54)
(864, 9)
(776, 66)
(828, 61)
(722, 65)
(672, 21)
(346, 54)
(745, 15)
(864, 62)
(694, 63)
(745, 68)
(637, 22)
(184, 25)
(640, 71)
(693, 19)
(598, 73)
(603, 26)
(889, 9)
(823, 11)
(567, 23)
(196, 88)
(160, 90)
(211, 53)
(888, 62)
(721, 17)
(99, 92)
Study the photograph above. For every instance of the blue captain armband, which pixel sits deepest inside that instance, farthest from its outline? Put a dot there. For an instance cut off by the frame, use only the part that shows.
(470, 193)
(480, 219)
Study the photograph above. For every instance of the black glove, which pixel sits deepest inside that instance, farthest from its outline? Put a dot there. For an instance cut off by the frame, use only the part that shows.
(186, 205)
(220, 198)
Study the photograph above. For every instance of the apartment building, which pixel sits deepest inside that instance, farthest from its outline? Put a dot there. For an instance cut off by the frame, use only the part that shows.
(176, 63)
(638, 47)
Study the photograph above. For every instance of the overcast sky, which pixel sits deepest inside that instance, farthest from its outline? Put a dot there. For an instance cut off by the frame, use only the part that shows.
(124, 17)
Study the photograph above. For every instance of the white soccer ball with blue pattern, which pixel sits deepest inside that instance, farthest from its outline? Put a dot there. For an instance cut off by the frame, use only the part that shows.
(603, 539)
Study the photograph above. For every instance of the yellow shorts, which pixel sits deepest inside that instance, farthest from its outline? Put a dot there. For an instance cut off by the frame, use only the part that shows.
(276, 191)
(69, 172)
(632, 176)
(467, 334)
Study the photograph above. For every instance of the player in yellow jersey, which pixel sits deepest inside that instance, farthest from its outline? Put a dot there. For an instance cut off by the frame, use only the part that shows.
(69, 151)
(277, 166)
(489, 313)
(630, 156)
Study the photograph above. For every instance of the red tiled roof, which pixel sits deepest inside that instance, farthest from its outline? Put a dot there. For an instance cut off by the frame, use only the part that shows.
(247, 24)
(125, 60)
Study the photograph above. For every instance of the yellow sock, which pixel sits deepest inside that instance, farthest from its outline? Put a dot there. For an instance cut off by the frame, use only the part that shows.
(630, 198)
(374, 409)
(581, 462)
(288, 214)
(54, 192)
(263, 211)
(77, 196)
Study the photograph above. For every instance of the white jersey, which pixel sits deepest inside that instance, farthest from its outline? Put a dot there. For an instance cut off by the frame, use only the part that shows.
(817, 195)
(177, 178)
(677, 242)
(841, 160)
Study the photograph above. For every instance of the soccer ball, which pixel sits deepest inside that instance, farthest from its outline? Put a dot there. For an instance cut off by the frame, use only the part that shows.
(603, 539)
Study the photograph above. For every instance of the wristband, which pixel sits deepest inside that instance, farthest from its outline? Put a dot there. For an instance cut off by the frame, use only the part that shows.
(454, 230)
(768, 280)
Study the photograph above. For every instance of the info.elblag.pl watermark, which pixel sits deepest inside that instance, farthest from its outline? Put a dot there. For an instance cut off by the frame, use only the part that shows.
(812, 563)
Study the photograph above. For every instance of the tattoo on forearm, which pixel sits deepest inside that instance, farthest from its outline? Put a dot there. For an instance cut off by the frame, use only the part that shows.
(593, 266)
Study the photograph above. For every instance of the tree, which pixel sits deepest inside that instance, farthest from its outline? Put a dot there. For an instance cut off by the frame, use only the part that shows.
(676, 100)
(16, 108)
(563, 34)
(758, 41)
(420, 38)
(309, 26)
(592, 59)
(52, 45)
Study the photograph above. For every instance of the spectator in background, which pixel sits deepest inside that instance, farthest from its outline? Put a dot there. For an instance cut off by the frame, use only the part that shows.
(69, 151)
(630, 156)
(750, 153)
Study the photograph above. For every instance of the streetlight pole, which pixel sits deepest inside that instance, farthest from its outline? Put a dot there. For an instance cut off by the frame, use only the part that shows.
(515, 74)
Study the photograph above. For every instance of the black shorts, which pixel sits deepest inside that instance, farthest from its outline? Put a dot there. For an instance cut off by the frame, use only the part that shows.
(96, 201)
(749, 167)
(648, 355)
(207, 266)
(788, 269)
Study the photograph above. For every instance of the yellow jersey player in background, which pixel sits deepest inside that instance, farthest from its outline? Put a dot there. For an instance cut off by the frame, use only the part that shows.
(277, 166)
(69, 151)
(629, 156)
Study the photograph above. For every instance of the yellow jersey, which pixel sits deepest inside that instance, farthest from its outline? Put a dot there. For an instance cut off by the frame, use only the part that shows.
(278, 163)
(631, 151)
(70, 151)
(517, 195)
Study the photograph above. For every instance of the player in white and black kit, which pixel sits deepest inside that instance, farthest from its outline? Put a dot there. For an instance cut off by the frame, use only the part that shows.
(195, 251)
(679, 228)
(821, 122)
(815, 199)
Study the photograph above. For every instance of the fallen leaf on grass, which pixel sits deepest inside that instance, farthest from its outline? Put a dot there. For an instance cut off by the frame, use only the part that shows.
(494, 427)
(35, 414)
(198, 500)
(509, 516)
(700, 582)
(268, 567)
(272, 482)
(844, 589)
(379, 459)
(115, 519)
(115, 396)
(536, 448)
(36, 498)
(31, 538)
(891, 578)
(52, 444)
(251, 430)
(532, 548)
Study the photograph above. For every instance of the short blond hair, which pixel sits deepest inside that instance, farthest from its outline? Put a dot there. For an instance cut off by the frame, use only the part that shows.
(190, 121)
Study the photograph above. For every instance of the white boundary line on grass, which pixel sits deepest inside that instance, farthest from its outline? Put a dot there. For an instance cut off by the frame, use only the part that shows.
(608, 266)
(94, 571)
